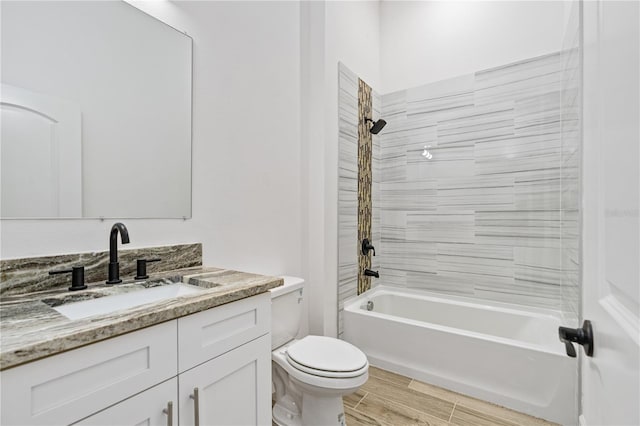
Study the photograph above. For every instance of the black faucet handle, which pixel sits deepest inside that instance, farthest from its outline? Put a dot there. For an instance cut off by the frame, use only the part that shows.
(77, 277)
(141, 268)
(366, 246)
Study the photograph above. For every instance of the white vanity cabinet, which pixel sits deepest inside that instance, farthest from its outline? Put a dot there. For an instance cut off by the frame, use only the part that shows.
(132, 379)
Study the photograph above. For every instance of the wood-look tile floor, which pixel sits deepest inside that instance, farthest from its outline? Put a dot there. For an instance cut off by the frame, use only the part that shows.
(388, 399)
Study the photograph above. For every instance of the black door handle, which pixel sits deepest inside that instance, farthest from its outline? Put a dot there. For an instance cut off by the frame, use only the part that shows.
(582, 336)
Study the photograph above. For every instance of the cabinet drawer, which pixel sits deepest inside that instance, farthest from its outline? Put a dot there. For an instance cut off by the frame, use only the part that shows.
(67, 387)
(207, 334)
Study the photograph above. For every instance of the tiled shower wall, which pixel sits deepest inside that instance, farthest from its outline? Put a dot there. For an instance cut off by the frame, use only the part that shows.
(348, 243)
(470, 191)
(571, 136)
(477, 177)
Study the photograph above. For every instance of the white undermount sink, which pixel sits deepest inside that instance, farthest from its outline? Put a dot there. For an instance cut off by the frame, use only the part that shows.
(108, 304)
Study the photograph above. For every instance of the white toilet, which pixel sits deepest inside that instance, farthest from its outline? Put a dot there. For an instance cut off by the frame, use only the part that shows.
(310, 375)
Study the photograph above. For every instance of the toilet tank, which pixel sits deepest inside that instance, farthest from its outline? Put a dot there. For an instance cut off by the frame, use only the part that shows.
(286, 311)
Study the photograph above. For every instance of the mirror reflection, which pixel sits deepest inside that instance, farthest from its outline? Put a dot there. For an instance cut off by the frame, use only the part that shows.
(96, 112)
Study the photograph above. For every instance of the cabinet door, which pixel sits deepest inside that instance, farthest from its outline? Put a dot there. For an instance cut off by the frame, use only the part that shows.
(157, 406)
(232, 389)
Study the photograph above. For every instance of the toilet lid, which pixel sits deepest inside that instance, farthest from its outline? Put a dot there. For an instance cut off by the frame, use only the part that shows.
(326, 356)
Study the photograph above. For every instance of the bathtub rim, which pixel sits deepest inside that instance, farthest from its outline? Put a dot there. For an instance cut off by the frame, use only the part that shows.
(354, 305)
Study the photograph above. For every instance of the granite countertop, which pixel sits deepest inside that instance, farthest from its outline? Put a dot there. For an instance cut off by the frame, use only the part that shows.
(30, 328)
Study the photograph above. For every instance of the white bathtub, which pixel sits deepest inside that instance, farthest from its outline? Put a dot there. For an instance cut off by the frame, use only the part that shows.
(506, 354)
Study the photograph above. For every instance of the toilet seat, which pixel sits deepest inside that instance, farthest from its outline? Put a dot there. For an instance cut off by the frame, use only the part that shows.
(327, 357)
(330, 384)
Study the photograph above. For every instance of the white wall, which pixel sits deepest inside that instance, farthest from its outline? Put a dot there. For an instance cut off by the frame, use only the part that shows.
(426, 41)
(246, 147)
(345, 32)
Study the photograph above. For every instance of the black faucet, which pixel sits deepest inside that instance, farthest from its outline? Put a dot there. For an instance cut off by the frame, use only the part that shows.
(370, 273)
(114, 267)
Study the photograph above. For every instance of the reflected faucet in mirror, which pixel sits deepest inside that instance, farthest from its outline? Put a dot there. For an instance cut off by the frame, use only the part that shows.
(114, 266)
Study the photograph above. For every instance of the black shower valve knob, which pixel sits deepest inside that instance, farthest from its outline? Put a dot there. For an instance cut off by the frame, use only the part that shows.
(367, 246)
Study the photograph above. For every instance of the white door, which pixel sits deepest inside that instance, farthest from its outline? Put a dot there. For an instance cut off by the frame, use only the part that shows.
(154, 407)
(41, 155)
(611, 221)
(232, 389)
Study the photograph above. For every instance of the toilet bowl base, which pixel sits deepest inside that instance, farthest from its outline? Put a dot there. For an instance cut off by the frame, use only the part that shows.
(322, 411)
(316, 411)
(286, 412)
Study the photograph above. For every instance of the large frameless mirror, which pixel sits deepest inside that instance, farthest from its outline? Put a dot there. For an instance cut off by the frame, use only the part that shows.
(96, 112)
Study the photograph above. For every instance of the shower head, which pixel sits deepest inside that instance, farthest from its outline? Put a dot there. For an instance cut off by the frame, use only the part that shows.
(377, 125)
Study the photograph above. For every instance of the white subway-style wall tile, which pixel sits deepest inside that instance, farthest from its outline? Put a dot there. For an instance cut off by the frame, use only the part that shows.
(476, 183)
(440, 226)
(394, 106)
(432, 100)
(519, 80)
(470, 125)
(571, 103)
(409, 196)
(476, 193)
(347, 187)
(475, 259)
(408, 255)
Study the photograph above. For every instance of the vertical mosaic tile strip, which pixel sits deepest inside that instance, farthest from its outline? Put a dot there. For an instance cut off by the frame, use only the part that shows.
(365, 153)
(348, 243)
(470, 191)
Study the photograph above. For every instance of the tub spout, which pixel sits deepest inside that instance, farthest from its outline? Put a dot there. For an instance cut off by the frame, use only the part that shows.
(370, 273)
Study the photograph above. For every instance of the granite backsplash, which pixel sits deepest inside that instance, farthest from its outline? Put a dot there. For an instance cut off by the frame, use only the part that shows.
(31, 274)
